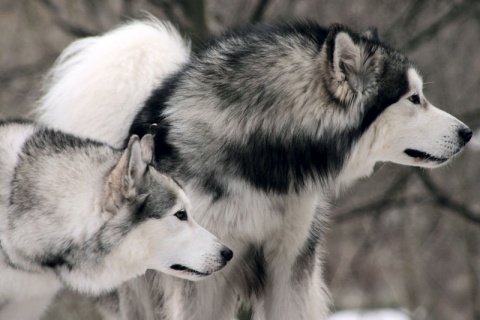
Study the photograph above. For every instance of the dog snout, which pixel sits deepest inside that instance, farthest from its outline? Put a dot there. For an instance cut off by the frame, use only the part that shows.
(465, 134)
(226, 254)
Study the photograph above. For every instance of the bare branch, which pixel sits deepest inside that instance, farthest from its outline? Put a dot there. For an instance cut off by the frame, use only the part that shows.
(127, 8)
(195, 12)
(167, 8)
(26, 70)
(190, 17)
(471, 245)
(381, 205)
(458, 11)
(436, 197)
(65, 25)
(443, 200)
(388, 200)
(259, 11)
(409, 18)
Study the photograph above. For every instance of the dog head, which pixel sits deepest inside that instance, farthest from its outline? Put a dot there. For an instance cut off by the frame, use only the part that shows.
(413, 132)
(380, 93)
(104, 217)
(164, 234)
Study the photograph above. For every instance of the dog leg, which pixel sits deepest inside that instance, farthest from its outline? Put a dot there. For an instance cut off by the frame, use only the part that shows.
(208, 299)
(295, 288)
(293, 293)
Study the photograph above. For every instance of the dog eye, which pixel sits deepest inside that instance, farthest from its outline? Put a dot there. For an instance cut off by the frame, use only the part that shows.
(414, 98)
(181, 214)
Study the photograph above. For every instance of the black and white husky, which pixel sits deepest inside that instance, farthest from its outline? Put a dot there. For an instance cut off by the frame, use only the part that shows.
(261, 126)
(79, 213)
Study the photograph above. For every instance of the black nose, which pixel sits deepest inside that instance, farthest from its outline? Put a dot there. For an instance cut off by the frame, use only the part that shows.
(465, 134)
(227, 254)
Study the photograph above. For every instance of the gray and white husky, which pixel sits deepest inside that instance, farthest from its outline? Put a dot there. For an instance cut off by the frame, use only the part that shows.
(79, 213)
(261, 126)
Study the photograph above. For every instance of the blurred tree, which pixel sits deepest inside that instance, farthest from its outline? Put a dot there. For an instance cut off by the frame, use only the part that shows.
(404, 238)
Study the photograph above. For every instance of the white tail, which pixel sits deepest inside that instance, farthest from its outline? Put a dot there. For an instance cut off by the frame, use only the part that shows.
(98, 84)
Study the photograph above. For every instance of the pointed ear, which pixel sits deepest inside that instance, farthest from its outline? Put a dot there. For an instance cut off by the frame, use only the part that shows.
(146, 145)
(346, 56)
(123, 181)
(354, 64)
(136, 167)
(114, 186)
(371, 34)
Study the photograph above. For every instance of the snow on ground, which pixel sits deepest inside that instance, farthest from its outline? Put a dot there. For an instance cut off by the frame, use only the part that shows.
(380, 314)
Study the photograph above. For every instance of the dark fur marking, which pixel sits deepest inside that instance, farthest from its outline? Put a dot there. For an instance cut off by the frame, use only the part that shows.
(214, 187)
(306, 259)
(391, 88)
(256, 274)
(269, 34)
(279, 164)
(165, 153)
(155, 207)
(225, 76)
(109, 302)
(7, 260)
(6, 122)
(44, 143)
(272, 164)
(49, 141)
(394, 82)
(57, 260)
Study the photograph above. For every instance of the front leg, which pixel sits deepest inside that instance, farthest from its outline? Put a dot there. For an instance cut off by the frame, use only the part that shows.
(295, 288)
(297, 291)
(161, 297)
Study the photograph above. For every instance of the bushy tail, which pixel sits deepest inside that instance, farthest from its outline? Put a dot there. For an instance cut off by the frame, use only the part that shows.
(98, 84)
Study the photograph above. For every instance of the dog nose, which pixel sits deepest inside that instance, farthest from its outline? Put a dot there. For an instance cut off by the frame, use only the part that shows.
(227, 254)
(465, 134)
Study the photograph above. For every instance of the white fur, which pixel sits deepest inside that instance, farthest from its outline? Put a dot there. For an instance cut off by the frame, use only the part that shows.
(156, 244)
(252, 216)
(110, 76)
(80, 214)
(25, 295)
(401, 126)
(14, 137)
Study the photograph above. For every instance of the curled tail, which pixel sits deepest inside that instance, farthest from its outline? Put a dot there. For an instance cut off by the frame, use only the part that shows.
(98, 84)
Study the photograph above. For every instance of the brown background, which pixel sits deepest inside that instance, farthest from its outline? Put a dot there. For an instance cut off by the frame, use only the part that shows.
(405, 238)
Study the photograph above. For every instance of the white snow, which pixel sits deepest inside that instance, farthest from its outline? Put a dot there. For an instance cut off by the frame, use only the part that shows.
(380, 314)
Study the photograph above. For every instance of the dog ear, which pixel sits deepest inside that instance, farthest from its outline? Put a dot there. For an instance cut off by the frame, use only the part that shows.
(136, 168)
(353, 64)
(123, 182)
(147, 145)
(346, 60)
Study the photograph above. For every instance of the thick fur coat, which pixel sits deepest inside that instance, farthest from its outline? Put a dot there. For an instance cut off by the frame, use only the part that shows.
(80, 214)
(262, 127)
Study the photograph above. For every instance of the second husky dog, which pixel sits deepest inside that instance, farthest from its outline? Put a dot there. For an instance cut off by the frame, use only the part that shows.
(261, 126)
(79, 213)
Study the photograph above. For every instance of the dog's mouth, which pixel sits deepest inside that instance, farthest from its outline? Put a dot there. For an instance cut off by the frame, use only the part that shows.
(179, 267)
(420, 155)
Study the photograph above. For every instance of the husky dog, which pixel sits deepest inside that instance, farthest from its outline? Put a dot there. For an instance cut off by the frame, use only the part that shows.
(261, 127)
(79, 213)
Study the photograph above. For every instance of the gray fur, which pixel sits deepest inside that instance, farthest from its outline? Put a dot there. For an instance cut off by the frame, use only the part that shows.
(278, 109)
(261, 127)
(52, 163)
(72, 211)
